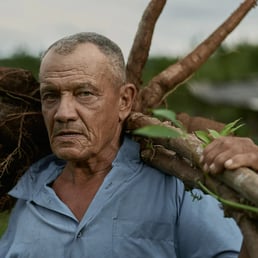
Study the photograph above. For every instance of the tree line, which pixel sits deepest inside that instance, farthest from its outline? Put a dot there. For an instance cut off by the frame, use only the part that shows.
(228, 64)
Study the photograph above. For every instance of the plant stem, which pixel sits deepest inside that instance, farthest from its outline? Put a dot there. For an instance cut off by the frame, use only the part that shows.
(227, 202)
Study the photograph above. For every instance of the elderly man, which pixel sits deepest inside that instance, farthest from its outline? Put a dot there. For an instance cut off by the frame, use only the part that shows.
(94, 197)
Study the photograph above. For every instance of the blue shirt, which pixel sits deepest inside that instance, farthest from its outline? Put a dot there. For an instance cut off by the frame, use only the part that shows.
(138, 212)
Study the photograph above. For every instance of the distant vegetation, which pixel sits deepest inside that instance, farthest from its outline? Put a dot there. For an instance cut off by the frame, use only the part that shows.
(227, 64)
(4, 216)
(22, 59)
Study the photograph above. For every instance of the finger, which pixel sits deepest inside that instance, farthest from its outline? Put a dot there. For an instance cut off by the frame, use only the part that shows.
(218, 163)
(243, 160)
(219, 146)
(210, 152)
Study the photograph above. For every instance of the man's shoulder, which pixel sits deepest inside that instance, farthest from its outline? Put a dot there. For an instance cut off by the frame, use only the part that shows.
(130, 156)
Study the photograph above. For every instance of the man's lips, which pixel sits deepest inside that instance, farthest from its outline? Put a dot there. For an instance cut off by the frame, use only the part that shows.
(67, 133)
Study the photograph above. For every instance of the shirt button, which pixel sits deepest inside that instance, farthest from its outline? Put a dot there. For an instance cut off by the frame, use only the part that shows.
(79, 235)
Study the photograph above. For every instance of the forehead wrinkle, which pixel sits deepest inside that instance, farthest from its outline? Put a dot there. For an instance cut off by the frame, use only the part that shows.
(62, 78)
(63, 72)
(71, 87)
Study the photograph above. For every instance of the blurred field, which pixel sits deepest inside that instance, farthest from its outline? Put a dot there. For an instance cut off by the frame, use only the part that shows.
(3, 222)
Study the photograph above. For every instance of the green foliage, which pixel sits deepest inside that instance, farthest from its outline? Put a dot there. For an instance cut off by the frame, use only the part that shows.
(3, 222)
(23, 60)
(229, 64)
(229, 129)
(157, 131)
(161, 131)
(240, 62)
(169, 115)
(226, 64)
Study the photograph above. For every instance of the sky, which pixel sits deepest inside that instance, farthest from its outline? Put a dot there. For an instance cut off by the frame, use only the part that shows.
(33, 25)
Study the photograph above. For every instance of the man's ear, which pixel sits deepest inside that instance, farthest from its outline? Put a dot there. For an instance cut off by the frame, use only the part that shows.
(127, 96)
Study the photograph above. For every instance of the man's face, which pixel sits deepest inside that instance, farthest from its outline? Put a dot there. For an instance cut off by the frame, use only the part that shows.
(80, 105)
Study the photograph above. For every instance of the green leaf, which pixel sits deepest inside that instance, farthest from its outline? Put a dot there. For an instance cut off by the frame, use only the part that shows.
(230, 128)
(157, 131)
(236, 128)
(203, 136)
(214, 133)
(167, 114)
(207, 137)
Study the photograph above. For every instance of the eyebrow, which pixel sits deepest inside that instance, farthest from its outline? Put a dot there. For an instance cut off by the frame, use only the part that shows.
(47, 86)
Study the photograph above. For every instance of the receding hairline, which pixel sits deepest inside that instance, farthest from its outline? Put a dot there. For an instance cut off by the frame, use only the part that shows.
(110, 49)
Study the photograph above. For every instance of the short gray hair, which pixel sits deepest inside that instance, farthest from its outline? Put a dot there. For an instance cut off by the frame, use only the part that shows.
(111, 50)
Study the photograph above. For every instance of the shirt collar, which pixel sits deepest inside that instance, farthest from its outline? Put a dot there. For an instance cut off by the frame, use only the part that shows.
(47, 169)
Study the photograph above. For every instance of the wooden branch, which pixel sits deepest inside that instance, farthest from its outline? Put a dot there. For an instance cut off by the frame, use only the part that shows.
(244, 181)
(154, 93)
(249, 230)
(169, 162)
(183, 163)
(195, 123)
(140, 50)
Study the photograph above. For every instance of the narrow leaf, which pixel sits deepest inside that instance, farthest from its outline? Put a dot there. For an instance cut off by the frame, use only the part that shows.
(167, 114)
(157, 131)
(214, 133)
(203, 136)
(236, 128)
(229, 128)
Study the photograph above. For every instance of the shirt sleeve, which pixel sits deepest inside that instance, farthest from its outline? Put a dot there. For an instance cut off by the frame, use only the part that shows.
(203, 231)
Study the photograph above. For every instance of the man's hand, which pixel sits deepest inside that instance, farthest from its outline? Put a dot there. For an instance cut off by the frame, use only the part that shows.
(229, 153)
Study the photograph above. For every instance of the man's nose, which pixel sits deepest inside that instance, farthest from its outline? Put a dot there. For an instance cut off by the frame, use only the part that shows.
(66, 110)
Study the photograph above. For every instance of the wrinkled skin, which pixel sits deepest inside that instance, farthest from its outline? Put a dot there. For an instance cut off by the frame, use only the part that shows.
(230, 153)
(82, 109)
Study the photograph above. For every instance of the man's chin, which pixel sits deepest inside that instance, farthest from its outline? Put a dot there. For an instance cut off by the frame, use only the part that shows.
(68, 153)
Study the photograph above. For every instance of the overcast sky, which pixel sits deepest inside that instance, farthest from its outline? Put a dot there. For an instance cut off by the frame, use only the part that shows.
(35, 24)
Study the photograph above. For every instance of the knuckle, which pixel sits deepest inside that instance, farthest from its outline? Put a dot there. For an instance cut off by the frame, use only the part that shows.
(253, 157)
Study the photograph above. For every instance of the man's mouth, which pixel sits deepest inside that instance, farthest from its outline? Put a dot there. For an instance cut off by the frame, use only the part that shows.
(67, 133)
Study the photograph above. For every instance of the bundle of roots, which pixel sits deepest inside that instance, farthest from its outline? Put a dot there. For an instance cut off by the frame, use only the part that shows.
(23, 137)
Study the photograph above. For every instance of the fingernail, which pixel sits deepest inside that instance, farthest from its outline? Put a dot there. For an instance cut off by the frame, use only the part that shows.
(228, 163)
(212, 168)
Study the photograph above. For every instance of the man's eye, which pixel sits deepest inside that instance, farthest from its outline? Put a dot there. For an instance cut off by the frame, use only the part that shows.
(84, 94)
(49, 97)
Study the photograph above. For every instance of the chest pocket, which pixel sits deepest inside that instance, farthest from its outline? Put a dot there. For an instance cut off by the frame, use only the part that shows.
(138, 239)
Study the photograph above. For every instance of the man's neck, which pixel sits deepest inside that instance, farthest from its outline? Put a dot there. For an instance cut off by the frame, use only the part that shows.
(81, 175)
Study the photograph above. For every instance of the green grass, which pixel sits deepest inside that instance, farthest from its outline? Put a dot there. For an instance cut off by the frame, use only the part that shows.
(4, 216)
